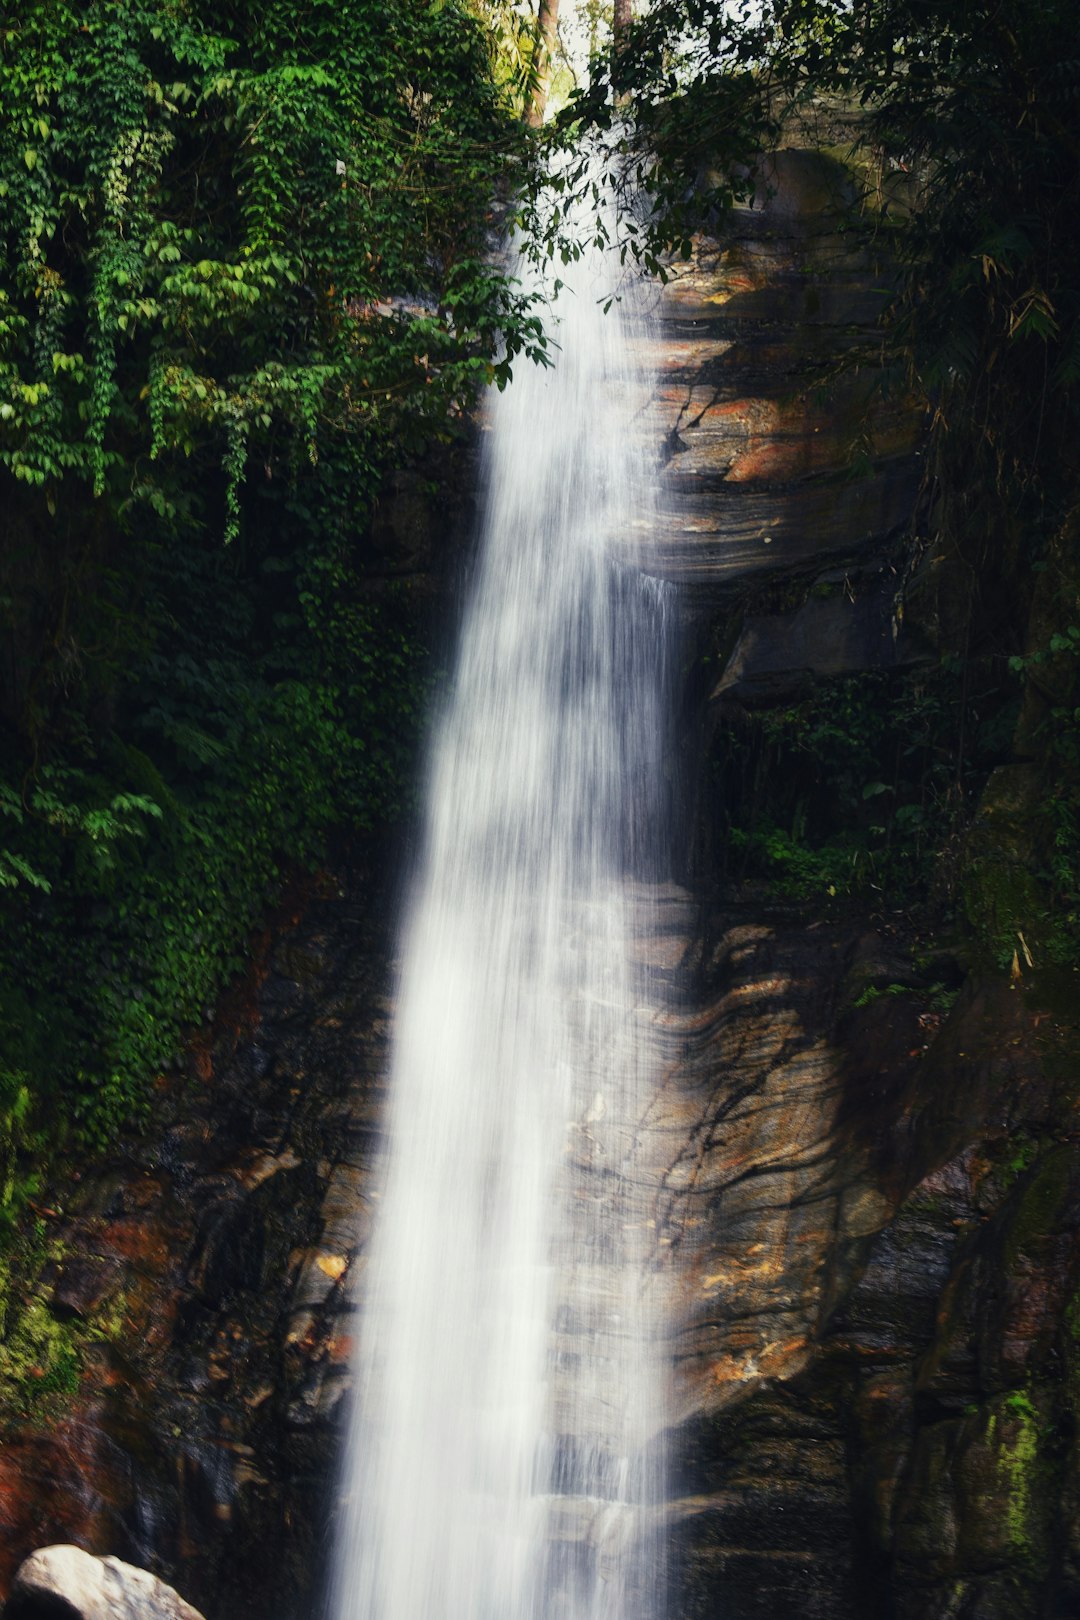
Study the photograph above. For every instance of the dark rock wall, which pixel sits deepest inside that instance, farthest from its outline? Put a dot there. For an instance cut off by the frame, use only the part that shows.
(871, 1203)
(777, 461)
(878, 1231)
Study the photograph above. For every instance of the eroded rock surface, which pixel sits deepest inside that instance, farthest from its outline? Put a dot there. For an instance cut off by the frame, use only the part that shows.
(873, 1210)
(778, 457)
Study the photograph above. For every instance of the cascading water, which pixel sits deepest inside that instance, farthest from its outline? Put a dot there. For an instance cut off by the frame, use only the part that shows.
(503, 1456)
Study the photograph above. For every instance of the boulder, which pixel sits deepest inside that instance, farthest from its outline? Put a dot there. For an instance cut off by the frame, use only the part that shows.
(66, 1583)
(838, 635)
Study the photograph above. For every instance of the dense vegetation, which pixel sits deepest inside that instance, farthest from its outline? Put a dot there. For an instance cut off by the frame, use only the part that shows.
(243, 271)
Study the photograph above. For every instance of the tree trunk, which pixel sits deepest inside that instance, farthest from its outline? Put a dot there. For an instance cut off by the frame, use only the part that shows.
(624, 16)
(547, 22)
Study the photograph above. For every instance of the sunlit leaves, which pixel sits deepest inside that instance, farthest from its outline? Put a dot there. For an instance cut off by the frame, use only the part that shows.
(238, 183)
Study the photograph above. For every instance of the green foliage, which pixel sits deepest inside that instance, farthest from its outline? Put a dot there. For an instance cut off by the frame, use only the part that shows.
(40, 1357)
(797, 870)
(678, 115)
(511, 31)
(206, 211)
(942, 997)
(857, 787)
(1018, 1455)
(875, 992)
(1022, 1153)
(231, 765)
(244, 271)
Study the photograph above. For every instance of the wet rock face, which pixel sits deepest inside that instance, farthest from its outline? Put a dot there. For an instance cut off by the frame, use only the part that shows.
(878, 1226)
(777, 458)
(764, 1207)
(866, 1228)
(790, 474)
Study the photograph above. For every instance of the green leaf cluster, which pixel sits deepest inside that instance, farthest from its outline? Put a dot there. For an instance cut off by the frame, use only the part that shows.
(244, 272)
(239, 232)
(858, 786)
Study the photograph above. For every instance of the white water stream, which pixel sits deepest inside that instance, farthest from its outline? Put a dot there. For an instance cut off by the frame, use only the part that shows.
(504, 1453)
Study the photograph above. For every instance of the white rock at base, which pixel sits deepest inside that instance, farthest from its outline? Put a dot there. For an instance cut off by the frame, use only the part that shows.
(92, 1588)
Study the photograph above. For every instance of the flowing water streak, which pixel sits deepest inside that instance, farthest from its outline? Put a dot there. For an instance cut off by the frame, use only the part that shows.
(508, 1394)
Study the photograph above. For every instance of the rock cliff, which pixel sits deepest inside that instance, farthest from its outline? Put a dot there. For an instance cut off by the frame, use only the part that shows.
(866, 1214)
(781, 454)
(875, 1222)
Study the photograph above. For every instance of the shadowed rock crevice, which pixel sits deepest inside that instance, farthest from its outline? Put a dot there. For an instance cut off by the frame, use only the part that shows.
(39, 1606)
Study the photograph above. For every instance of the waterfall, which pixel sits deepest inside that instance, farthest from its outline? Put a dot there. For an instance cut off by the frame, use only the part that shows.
(503, 1460)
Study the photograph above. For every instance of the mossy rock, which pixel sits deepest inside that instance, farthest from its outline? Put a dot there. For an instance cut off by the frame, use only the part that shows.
(796, 185)
(982, 1498)
(1043, 1204)
(1001, 894)
(1006, 1485)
